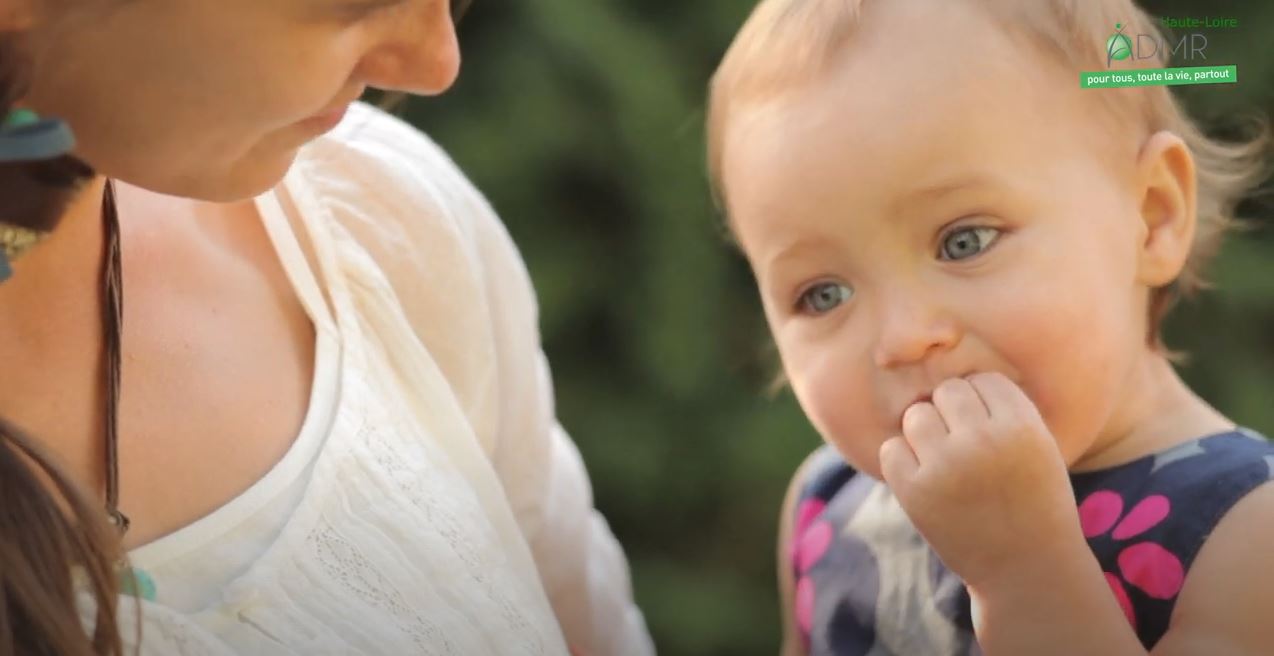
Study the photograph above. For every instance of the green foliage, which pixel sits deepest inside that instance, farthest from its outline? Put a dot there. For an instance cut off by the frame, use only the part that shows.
(582, 120)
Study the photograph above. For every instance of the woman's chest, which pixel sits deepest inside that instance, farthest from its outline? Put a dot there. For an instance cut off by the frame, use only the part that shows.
(389, 546)
(217, 363)
(214, 394)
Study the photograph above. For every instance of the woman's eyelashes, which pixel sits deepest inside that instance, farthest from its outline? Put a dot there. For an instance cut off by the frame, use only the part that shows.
(360, 10)
(966, 242)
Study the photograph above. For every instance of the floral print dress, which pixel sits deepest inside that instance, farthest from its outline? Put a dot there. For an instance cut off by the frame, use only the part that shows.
(867, 584)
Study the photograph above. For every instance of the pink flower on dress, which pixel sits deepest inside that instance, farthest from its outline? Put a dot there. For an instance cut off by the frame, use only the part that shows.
(1145, 565)
(810, 540)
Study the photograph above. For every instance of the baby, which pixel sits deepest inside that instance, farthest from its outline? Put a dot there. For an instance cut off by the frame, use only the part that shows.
(964, 258)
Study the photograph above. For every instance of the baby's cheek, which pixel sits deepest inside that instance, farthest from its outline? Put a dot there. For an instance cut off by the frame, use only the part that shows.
(1070, 371)
(842, 410)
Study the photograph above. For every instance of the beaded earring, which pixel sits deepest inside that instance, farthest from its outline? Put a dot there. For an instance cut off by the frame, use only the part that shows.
(25, 137)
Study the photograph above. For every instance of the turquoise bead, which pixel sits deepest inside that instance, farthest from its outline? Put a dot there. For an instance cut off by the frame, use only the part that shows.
(20, 117)
(6, 271)
(138, 583)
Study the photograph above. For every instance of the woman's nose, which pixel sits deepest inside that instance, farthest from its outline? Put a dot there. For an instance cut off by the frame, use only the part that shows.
(912, 327)
(418, 54)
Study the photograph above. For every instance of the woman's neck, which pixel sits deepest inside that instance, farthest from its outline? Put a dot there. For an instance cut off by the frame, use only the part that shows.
(56, 285)
(64, 267)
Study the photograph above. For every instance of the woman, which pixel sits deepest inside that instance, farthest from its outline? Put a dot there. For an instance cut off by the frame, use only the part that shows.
(326, 424)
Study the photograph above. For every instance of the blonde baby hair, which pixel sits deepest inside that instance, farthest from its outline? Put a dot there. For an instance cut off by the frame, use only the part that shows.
(786, 44)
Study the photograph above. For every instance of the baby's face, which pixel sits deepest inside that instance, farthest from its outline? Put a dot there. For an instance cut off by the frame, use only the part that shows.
(938, 205)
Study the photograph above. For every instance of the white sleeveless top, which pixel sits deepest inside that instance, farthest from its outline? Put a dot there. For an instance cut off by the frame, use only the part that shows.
(431, 504)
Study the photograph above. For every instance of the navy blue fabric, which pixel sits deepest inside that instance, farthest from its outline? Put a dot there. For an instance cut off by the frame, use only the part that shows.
(852, 615)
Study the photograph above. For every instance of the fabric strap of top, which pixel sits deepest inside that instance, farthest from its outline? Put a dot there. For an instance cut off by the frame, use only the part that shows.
(297, 266)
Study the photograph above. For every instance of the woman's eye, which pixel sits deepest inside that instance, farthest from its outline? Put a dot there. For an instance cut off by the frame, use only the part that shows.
(963, 243)
(823, 298)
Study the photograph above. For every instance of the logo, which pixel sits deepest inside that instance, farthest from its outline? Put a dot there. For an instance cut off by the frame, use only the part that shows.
(1118, 46)
(1161, 47)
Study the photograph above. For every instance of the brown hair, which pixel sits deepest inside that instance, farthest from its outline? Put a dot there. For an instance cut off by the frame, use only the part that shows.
(55, 541)
(787, 43)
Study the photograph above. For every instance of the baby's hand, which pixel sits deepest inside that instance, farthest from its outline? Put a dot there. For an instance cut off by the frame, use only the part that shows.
(983, 480)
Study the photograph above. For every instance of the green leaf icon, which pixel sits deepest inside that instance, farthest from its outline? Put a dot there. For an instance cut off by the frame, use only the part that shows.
(1118, 48)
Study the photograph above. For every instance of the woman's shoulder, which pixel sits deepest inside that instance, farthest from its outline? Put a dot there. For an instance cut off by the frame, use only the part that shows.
(376, 164)
(387, 191)
(373, 136)
(413, 232)
(401, 197)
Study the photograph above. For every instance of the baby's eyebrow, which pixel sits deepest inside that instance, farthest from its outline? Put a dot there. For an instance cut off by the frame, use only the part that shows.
(935, 191)
(798, 249)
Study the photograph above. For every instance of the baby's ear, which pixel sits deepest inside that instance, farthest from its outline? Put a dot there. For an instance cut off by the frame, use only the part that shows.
(1166, 189)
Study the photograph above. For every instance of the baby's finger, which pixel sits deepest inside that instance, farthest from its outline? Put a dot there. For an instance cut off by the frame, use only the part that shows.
(960, 406)
(898, 463)
(1004, 399)
(923, 428)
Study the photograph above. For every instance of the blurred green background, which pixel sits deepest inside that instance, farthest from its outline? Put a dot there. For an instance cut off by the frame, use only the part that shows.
(582, 121)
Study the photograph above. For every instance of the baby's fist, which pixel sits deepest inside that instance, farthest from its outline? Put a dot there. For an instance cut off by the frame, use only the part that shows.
(981, 476)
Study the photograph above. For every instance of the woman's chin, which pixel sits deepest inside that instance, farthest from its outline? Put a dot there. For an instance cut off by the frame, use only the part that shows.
(248, 179)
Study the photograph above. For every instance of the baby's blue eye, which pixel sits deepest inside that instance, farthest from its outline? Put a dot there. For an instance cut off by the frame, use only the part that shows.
(824, 297)
(964, 243)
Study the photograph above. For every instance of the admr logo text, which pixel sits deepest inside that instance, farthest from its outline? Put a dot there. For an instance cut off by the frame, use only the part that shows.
(1120, 46)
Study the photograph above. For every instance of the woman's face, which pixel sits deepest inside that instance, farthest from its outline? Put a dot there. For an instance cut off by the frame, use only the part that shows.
(211, 99)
